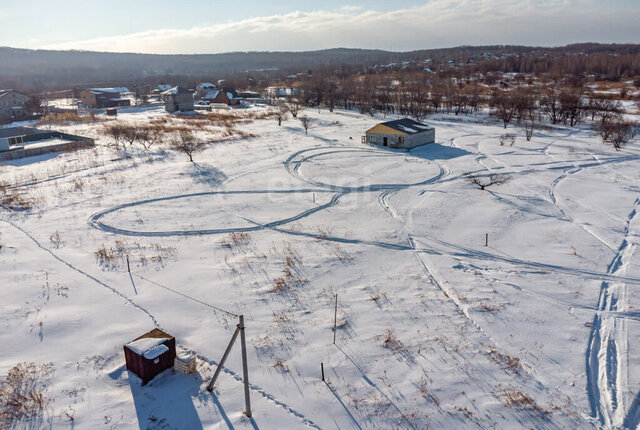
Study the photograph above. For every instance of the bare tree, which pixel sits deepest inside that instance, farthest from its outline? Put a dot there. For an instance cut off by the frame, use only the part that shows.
(528, 123)
(295, 106)
(617, 131)
(483, 182)
(306, 122)
(129, 133)
(186, 142)
(571, 106)
(280, 114)
(116, 132)
(149, 135)
(505, 107)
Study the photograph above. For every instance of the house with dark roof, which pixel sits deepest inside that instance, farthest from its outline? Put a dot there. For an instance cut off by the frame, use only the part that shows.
(178, 99)
(402, 133)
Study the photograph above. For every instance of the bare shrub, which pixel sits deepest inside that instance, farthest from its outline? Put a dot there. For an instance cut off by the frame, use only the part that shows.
(23, 393)
(280, 114)
(389, 340)
(114, 257)
(235, 238)
(519, 400)
(56, 240)
(511, 364)
(617, 131)
(484, 182)
(306, 122)
(507, 138)
(14, 200)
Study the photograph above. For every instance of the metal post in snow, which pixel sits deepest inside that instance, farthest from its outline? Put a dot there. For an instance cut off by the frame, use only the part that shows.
(322, 370)
(486, 239)
(128, 267)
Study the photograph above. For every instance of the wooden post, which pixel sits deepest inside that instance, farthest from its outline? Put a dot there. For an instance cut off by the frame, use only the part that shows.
(486, 239)
(245, 368)
(335, 319)
(322, 370)
(128, 267)
(314, 197)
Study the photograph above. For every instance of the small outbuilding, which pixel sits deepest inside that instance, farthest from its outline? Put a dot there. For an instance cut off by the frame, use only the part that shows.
(402, 133)
(150, 354)
(178, 99)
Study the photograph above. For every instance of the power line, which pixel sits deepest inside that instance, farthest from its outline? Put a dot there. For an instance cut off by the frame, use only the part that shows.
(186, 296)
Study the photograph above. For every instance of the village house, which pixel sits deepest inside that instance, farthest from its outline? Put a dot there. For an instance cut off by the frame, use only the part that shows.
(12, 105)
(104, 97)
(203, 89)
(227, 97)
(402, 133)
(178, 99)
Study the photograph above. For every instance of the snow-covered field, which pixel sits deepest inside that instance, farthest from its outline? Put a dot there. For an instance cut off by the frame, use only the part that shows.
(435, 329)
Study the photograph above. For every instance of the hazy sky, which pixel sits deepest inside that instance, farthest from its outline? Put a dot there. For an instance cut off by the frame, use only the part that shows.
(210, 26)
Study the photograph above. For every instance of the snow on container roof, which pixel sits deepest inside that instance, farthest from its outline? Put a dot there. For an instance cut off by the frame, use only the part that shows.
(156, 352)
(145, 344)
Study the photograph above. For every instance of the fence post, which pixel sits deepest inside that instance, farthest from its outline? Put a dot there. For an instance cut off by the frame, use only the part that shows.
(128, 267)
(486, 239)
(322, 370)
(335, 319)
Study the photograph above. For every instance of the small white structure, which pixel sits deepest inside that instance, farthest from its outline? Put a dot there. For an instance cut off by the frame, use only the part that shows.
(402, 133)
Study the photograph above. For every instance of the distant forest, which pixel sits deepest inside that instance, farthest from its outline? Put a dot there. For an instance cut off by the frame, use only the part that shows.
(41, 70)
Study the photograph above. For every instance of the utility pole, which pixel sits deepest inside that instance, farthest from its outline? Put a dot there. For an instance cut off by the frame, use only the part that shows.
(245, 369)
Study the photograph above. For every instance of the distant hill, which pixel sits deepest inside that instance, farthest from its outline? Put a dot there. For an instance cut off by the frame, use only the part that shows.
(43, 69)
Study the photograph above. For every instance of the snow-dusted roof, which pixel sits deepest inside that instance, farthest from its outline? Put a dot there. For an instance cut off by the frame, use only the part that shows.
(144, 345)
(408, 126)
(115, 90)
(211, 94)
(176, 90)
(156, 352)
(230, 95)
(207, 85)
(163, 87)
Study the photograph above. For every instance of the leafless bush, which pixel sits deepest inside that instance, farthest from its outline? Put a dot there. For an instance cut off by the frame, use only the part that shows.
(235, 238)
(14, 200)
(280, 114)
(511, 364)
(507, 138)
(306, 122)
(617, 131)
(56, 240)
(115, 256)
(484, 182)
(389, 340)
(517, 399)
(23, 393)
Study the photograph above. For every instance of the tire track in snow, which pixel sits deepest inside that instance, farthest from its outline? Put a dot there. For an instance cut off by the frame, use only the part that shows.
(606, 356)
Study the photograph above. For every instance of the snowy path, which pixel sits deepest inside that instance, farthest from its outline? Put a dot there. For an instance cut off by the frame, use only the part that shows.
(606, 356)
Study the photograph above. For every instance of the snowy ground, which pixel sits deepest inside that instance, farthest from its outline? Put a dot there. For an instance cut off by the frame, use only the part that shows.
(435, 328)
